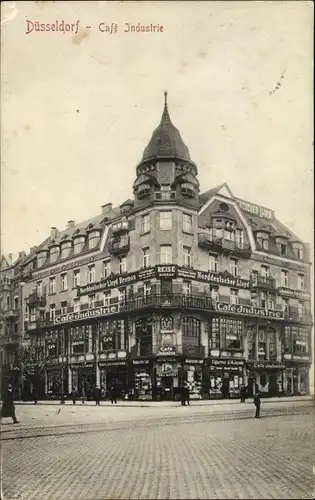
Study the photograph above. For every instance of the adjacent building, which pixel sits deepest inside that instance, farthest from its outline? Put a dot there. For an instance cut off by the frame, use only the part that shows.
(175, 286)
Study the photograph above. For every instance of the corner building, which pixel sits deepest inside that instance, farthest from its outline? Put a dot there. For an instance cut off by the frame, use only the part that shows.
(174, 286)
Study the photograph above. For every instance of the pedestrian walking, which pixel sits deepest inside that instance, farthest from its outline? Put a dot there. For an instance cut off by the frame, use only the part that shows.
(35, 394)
(257, 401)
(8, 408)
(97, 395)
(74, 396)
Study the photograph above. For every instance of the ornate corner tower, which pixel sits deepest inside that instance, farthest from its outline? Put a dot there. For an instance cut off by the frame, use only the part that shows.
(166, 172)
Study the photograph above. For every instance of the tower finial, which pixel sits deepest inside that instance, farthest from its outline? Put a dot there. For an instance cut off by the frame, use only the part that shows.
(165, 97)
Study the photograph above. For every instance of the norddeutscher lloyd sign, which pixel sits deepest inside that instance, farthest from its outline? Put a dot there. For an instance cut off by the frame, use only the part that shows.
(89, 313)
(248, 310)
(219, 279)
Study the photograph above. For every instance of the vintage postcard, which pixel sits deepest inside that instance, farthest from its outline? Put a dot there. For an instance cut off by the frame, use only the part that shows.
(156, 281)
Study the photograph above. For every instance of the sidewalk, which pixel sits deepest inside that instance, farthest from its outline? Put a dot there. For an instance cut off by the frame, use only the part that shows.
(194, 402)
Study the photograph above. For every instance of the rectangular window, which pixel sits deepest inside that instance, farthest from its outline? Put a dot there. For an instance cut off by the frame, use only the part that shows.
(76, 305)
(39, 288)
(186, 287)
(166, 254)
(52, 285)
(187, 223)
(254, 277)
(63, 282)
(229, 235)
(300, 253)
(213, 263)
(283, 249)
(147, 289)
(52, 312)
(16, 302)
(285, 305)
(166, 286)
(234, 296)
(284, 279)
(91, 274)
(263, 299)
(233, 267)
(76, 278)
(122, 295)
(265, 244)
(122, 265)
(33, 314)
(146, 257)
(270, 304)
(106, 270)
(64, 307)
(91, 301)
(301, 309)
(301, 282)
(145, 223)
(187, 256)
(265, 271)
(166, 219)
(239, 238)
(106, 298)
(214, 294)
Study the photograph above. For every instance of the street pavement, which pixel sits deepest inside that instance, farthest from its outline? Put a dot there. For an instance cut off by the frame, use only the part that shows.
(159, 452)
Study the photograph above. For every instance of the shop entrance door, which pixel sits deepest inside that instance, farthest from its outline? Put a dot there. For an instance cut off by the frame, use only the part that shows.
(167, 384)
(226, 387)
(87, 380)
(273, 385)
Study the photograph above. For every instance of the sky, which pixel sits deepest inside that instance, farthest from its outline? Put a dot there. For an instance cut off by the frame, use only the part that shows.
(77, 110)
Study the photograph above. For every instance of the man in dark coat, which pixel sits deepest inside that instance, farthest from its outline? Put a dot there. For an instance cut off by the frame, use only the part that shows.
(242, 393)
(8, 409)
(183, 395)
(257, 401)
(113, 393)
(187, 395)
(74, 396)
(97, 395)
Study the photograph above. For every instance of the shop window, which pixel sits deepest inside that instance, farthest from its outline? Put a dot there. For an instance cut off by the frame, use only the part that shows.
(262, 345)
(79, 340)
(191, 327)
(231, 333)
(272, 345)
(300, 338)
(251, 343)
(214, 337)
(166, 323)
(52, 347)
(109, 336)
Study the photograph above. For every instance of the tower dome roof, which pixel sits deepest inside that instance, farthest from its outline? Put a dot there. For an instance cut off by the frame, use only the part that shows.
(166, 140)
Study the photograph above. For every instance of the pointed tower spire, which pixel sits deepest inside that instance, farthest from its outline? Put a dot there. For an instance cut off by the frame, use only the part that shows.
(165, 119)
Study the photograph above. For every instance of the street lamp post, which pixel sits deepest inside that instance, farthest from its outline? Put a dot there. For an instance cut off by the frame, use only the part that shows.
(62, 400)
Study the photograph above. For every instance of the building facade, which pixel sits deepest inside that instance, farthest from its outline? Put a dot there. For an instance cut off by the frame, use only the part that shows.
(11, 327)
(173, 287)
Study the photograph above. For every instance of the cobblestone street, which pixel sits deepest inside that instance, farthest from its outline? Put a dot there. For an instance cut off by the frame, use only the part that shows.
(218, 451)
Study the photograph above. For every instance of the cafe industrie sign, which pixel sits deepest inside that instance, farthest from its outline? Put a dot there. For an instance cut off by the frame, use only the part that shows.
(164, 272)
(89, 313)
(248, 310)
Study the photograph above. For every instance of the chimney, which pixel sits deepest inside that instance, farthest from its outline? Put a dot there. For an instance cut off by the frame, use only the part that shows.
(10, 258)
(70, 224)
(22, 255)
(54, 232)
(107, 208)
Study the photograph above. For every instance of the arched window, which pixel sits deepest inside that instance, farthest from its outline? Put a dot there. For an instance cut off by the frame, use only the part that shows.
(191, 327)
(166, 323)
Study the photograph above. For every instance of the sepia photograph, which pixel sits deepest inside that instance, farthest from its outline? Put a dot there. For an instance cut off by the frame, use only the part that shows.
(157, 250)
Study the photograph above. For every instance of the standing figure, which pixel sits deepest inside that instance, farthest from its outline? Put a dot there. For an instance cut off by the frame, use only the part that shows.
(183, 395)
(242, 393)
(97, 395)
(257, 401)
(187, 395)
(113, 393)
(83, 395)
(74, 396)
(8, 409)
(35, 394)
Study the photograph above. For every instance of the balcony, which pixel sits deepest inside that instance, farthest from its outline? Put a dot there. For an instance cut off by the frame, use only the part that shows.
(210, 241)
(119, 246)
(294, 314)
(36, 299)
(10, 313)
(120, 227)
(12, 338)
(262, 282)
(167, 300)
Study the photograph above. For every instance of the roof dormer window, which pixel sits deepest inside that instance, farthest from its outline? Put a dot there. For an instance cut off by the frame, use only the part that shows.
(263, 240)
(54, 253)
(41, 258)
(78, 244)
(143, 191)
(298, 250)
(188, 190)
(94, 238)
(66, 247)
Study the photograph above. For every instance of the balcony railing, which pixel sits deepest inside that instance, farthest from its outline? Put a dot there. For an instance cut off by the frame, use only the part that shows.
(119, 245)
(36, 299)
(120, 227)
(210, 240)
(294, 314)
(263, 282)
(168, 300)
